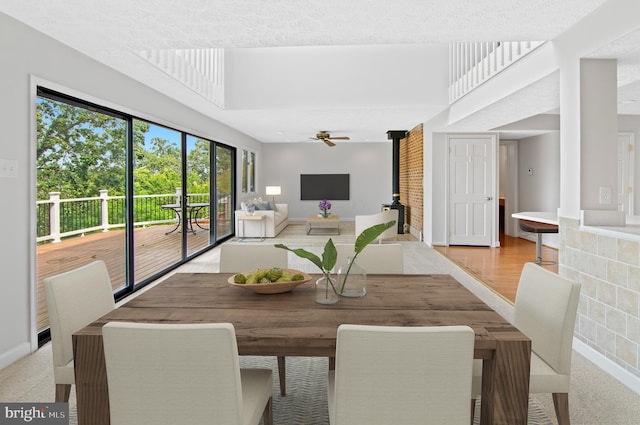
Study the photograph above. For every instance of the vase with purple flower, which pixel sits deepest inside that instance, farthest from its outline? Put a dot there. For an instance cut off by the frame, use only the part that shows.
(324, 206)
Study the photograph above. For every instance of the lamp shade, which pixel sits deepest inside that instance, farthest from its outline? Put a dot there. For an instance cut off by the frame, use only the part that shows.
(273, 190)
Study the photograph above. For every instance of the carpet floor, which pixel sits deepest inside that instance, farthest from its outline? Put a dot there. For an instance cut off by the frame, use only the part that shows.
(595, 397)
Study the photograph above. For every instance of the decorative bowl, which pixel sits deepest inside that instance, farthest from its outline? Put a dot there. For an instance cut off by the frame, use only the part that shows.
(272, 287)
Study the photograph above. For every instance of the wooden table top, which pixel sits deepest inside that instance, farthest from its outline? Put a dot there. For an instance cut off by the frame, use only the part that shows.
(317, 218)
(293, 324)
(251, 217)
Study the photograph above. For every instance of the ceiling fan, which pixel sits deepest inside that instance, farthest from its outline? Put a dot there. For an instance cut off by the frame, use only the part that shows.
(326, 137)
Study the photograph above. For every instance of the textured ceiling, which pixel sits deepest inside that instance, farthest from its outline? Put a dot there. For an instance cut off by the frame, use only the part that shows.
(114, 31)
(180, 24)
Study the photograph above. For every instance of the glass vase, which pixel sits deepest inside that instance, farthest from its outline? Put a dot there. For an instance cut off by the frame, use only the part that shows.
(352, 279)
(326, 290)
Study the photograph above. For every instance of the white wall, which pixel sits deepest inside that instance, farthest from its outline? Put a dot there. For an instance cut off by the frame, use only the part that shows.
(369, 166)
(439, 189)
(30, 57)
(598, 131)
(539, 191)
(324, 76)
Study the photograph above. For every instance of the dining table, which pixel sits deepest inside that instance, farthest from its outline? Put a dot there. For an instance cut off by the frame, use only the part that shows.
(293, 324)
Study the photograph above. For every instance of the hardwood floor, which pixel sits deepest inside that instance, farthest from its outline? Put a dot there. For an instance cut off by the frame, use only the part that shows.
(500, 268)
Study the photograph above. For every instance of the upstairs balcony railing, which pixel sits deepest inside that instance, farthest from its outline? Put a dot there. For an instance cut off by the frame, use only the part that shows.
(59, 218)
(471, 64)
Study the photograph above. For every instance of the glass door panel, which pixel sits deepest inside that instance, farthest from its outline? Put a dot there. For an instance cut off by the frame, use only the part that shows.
(158, 212)
(80, 190)
(199, 231)
(224, 161)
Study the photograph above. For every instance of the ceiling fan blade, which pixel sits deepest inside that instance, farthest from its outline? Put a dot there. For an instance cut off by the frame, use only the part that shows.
(339, 138)
(328, 142)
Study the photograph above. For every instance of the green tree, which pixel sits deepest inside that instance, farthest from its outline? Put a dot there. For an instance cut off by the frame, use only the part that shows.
(80, 151)
(158, 168)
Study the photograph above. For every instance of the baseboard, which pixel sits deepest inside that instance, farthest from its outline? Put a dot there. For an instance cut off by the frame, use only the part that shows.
(14, 354)
(628, 379)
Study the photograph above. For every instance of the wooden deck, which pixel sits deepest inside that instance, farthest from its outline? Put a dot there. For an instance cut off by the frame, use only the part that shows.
(154, 250)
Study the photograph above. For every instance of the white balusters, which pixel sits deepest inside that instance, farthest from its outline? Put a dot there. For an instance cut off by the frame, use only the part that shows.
(471, 64)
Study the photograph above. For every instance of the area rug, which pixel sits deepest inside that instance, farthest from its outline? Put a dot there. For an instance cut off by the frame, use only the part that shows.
(306, 399)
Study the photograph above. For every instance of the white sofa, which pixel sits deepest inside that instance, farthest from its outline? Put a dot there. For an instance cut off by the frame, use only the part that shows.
(276, 220)
(365, 221)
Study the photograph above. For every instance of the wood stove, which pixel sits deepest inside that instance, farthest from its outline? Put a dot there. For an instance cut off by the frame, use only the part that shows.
(396, 136)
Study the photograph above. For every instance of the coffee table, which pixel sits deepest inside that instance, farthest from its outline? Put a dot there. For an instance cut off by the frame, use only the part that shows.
(331, 223)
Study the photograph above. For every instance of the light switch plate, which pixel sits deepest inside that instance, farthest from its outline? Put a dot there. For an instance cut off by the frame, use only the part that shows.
(8, 168)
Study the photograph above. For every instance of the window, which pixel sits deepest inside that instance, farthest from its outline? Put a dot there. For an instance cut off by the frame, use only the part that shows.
(248, 171)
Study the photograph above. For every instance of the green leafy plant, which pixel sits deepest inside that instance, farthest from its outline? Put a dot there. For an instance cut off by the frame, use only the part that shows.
(330, 254)
(326, 264)
(367, 236)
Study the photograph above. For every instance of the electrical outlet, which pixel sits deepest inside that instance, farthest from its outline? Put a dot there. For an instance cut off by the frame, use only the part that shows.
(8, 168)
(605, 195)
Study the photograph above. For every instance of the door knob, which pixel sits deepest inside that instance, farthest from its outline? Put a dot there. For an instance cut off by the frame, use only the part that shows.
(489, 198)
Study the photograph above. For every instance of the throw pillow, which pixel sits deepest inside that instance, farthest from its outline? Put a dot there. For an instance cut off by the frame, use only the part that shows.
(263, 206)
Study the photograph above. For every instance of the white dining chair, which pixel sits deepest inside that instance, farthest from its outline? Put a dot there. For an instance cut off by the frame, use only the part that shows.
(160, 373)
(374, 259)
(401, 375)
(237, 258)
(74, 299)
(545, 310)
(363, 222)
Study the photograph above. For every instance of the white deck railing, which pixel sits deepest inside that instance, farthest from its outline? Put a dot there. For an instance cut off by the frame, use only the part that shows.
(59, 218)
(471, 64)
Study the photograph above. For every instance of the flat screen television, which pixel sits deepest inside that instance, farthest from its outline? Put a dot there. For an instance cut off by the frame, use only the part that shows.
(315, 187)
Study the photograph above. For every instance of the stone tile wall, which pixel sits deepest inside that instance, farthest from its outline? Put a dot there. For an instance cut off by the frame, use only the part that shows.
(608, 267)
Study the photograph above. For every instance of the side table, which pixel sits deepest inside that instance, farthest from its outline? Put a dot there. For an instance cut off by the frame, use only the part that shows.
(263, 225)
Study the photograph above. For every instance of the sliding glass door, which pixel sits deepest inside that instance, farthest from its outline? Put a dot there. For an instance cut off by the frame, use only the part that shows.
(140, 196)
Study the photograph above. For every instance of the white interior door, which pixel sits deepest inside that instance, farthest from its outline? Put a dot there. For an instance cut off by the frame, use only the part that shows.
(472, 197)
